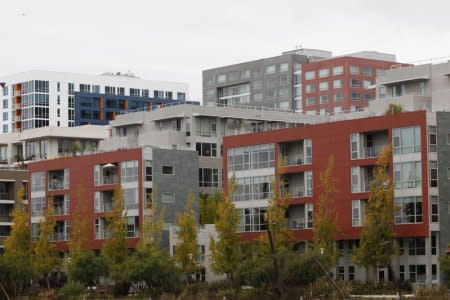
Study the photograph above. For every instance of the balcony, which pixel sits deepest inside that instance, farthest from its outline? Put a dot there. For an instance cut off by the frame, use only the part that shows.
(57, 180)
(61, 231)
(300, 216)
(368, 144)
(106, 174)
(294, 185)
(361, 178)
(293, 153)
(61, 205)
(104, 201)
(5, 219)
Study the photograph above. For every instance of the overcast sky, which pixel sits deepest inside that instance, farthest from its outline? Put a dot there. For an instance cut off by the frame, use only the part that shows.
(176, 40)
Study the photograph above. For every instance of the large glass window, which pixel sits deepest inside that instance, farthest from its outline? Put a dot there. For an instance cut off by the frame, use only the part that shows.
(408, 210)
(416, 246)
(251, 219)
(129, 171)
(206, 149)
(206, 127)
(253, 188)
(308, 151)
(38, 181)
(253, 157)
(208, 177)
(406, 140)
(130, 198)
(407, 175)
(356, 187)
(432, 139)
(338, 70)
(358, 212)
(308, 183)
(434, 209)
(38, 205)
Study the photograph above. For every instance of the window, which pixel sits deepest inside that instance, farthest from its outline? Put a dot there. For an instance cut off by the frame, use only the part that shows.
(406, 140)
(341, 272)
(323, 99)
(253, 188)
(167, 197)
(254, 157)
(351, 273)
(251, 219)
(368, 97)
(416, 246)
(354, 145)
(206, 127)
(337, 109)
(308, 183)
(167, 170)
(221, 78)
(432, 139)
(323, 86)
(358, 212)
(130, 198)
(284, 105)
(110, 90)
(310, 88)
(270, 69)
(168, 95)
(398, 90)
(58, 112)
(206, 149)
(355, 83)
(58, 101)
(309, 207)
(433, 244)
(337, 84)
(310, 75)
(367, 71)
(85, 88)
(408, 210)
(356, 96)
(284, 67)
(324, 72)
(208, 177)
(283, 92)
(434, 209)
(433, 174)
(380, 72)
(407, 175)
(310, 100)
(402, 272)
(38, 205)
(338, 97)
(355, 175)
(354, 69)
(129, 171)
(338, 70)
(367, 84)
(135, 92)
(132, 227)
(38, 182)
(382, 92)
(245, 74)
(121, 91)
(308, 151)
(148, 170)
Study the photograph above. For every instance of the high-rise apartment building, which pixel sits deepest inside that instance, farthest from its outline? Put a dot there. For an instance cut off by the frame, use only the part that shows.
(36, 99)
(304, 80)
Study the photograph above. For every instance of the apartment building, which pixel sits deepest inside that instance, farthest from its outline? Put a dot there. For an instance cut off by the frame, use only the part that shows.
(17, 149)
(196, 128)
(269, 82)
(420, 168)
(304, 80)
(425, 86)
(342, 84)
(36, 99)
(88, 181)
(11, 181)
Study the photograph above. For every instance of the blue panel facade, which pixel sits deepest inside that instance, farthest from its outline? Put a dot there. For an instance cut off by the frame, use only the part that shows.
(99, 109)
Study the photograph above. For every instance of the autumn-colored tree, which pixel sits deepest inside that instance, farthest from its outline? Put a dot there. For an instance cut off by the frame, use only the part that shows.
(325, 227)
(377, 244)
(79, 225)
(225, 251)
(46, 256)
(186, 250)
(209, 206)
(152, 224)
(115, 249)
(18, 249)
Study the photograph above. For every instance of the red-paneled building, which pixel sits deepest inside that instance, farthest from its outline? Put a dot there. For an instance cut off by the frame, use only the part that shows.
(340, 84)
(355, 143)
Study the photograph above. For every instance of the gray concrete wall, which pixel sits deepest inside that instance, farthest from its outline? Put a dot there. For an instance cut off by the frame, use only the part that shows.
(181, 183)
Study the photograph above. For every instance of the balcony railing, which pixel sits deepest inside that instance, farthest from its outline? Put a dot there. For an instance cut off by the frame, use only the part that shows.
(5, 219)
(56, 185)
(4, 196)
(298, 223)
(60, 236)
(370, 152)
(111, 179)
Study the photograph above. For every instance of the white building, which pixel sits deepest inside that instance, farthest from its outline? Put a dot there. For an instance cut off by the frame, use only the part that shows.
(36, 98)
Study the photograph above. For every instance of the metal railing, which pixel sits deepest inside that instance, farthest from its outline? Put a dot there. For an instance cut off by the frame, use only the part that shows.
(4, 196)
(56, 185)
(5, 219)
(110, 179)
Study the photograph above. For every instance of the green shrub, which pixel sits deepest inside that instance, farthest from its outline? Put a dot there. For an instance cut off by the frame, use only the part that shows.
(393, 109)
(229, 293)
(73, 290)
(432, 293)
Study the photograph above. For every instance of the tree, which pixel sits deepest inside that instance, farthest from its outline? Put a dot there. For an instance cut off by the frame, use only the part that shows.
(209, 206)
(115, 249)
(86, 267)
(79, 225)
(18, 250)
(186, 250)
(393, 109)
(444, 263)
(152, 224)
(225, 251)
(46, 256)
(377, 244)
(325, 219)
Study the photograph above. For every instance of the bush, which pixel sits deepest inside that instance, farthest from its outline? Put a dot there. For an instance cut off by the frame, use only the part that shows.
(322, 289)
(73, 290)
(432, 293)
(393, 109)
